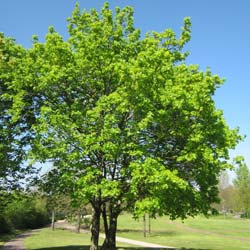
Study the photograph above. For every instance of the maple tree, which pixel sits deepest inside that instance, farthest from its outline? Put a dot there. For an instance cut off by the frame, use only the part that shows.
(125, 120)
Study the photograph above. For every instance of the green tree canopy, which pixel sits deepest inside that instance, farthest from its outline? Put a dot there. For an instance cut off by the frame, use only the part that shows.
(126, 121)
(14, 136)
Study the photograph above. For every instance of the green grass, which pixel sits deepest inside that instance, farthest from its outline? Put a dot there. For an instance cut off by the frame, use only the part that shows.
(47, 239)
(216, 233)
(57, 239)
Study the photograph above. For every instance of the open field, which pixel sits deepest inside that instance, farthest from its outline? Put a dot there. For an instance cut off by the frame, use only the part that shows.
(58, 239)
(195, 233)
(63, 240)
(216, 233)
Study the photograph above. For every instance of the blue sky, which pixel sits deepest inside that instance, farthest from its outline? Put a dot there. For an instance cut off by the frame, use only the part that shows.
(220, 40)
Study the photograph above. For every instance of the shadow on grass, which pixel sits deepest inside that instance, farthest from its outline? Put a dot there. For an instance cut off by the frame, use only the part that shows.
(65, 248)
(87, 248)
(118, 248)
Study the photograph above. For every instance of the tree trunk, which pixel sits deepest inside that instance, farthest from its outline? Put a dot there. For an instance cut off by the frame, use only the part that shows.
(144, 226)
(149, 224)
(95, 228)
(106, 228)
(53, 219)
(110, 230)
(78, 221)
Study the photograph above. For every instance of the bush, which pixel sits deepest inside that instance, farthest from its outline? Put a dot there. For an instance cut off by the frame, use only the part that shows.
(26, 213)
(5, 225)
(245, 215)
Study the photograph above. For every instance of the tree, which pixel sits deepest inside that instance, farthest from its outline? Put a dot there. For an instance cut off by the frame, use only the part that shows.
(15, 133)
(10, 154)
(223, 180)
(124, 119)
(227, 194)
(14, 136)
(242, 184)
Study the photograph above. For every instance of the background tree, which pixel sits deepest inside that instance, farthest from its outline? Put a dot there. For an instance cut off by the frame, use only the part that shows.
(14, 133)
(11, 145)
(242, 185)
(227, 194)
(124, 118)
(23, 211)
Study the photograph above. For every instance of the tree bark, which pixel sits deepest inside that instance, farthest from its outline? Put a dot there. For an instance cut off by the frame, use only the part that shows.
(112, 231)
(110, 227)
(95, 228)
(106, 228)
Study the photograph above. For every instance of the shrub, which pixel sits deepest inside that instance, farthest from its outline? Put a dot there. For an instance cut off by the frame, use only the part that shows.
(5, 225)
(26, 213)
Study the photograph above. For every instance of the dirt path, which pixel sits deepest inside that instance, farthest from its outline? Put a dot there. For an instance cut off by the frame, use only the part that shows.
(17, 243)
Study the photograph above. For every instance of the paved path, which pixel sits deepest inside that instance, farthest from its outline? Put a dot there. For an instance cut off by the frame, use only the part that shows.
(141, 243)
(65, 225)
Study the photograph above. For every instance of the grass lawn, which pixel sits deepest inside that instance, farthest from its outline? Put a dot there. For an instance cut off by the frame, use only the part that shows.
(58, 239)
(195, 233)
(63, 240)
(216, 233)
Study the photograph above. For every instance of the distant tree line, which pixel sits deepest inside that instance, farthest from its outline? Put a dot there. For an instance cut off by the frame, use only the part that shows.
(235, 196)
